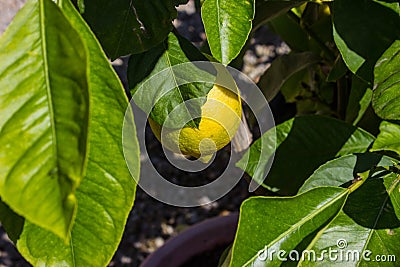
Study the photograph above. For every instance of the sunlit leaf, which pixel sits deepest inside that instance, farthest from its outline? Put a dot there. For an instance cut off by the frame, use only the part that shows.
(44, 103)
(105, 196)
(303, 144)
(276, 224)
(386, 97)
(158, 85)
(345, 170)
(227, 24)
(366, 231)
(388, 138)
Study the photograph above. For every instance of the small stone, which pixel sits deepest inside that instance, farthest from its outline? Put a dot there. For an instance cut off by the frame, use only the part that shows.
(283, 49)
(167, 229)
(158, 242)
(250, 58)
(189, 8)
(117, 62)
(224, 213)
(267, 51)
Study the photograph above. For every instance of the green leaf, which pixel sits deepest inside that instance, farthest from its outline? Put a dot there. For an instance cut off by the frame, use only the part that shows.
(267, 10)
(386, 95)
(317, 20)
(302, 145)
(282, 69)
(359, 100)
(227, 24)
(269, 224)
(12, 222)
(374, 27)
(130, 26)
(105, 196)
(289, 30)
(343, 170)
(368, 220)
(158, 85)
(368, 226)
(81, 6)
(225, 257)
(388, 138)
(44, 123)
(293, 88)
(338, 70)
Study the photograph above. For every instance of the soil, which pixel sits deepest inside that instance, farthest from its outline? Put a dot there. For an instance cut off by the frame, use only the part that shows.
(151, 222)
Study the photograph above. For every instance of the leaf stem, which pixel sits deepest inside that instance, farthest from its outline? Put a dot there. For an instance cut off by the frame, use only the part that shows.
(362, 177)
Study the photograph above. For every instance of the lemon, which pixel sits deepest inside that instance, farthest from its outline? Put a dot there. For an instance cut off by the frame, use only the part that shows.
(220, 119)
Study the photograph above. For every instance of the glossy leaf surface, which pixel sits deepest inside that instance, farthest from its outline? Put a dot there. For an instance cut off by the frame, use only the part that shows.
(276, 224)
(227, 24)
(366, 230)
(386, 97)
(345, 170)
(388, 138)
(303, 144)
(105, 196)
(363, 30)
(163, 79)
(130, 26)
(44, 103)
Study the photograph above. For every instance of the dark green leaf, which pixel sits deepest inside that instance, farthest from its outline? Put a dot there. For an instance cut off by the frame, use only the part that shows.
(293, 88)
(267, 10)
(158, 86)
(282, 69)
(338, 70)
(344, 170)
(225, 257)
(11, 222)
(130, 26)
(363, 30)
(290, 31)
(281, 223)
(317, 20)
(359, 100)
(105, 196)
(310, 106)
(227, 24)
(44, 104)
(368, 226)
(302, 145)
(386, 97)
(388, 138)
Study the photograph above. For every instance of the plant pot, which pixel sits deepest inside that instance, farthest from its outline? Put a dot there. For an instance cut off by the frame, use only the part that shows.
(197, 240)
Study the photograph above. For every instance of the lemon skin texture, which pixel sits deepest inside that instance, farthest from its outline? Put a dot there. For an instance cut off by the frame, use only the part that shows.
(220, 119)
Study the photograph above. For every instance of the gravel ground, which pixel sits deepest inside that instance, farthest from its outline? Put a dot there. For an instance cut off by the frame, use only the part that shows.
(151, 222)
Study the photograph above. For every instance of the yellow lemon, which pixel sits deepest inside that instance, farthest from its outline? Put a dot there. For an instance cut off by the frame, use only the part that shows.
(220, 119)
